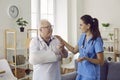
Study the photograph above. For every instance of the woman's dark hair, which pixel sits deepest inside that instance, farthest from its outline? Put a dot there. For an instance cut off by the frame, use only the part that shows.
(94, 28)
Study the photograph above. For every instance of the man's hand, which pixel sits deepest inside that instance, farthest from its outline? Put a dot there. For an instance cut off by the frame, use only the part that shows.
(63, 52)
(60, 47)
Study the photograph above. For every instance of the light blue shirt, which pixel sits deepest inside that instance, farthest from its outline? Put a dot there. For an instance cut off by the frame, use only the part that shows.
(89, 49)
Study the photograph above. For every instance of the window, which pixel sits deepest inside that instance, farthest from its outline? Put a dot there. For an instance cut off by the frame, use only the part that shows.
(42, 9)
(47, 10)
(52, 11)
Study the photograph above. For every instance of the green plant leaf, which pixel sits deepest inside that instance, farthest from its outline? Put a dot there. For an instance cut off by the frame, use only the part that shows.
(105, 24)
(21, 22)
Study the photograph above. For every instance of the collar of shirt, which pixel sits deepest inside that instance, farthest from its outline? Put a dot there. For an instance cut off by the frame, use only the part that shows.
(89, 39)
(51, 38)
(86, 41)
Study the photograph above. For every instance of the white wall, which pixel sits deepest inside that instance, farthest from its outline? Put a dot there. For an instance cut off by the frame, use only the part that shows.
(105, 11)
(72, 22)
(61, 19)
(80, 10)
(6, 22)
(67, 19)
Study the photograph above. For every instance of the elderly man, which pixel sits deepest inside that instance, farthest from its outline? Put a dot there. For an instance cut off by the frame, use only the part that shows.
(46, 52)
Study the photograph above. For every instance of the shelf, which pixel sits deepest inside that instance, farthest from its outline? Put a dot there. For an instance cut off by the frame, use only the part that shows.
(21, 65)
(2, 71)
(27, 77)
(11, 63)
(108, 52)
(117, 52)
(108, 41)
(26, 63)
(111, 45)
(11, 48)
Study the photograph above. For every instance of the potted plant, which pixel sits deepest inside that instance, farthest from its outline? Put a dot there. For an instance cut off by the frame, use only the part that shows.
(105, 24)
(22, 23)
(110, 34)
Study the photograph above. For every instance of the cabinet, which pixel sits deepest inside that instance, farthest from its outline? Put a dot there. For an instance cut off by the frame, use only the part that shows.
(11, 54)
(111, 43)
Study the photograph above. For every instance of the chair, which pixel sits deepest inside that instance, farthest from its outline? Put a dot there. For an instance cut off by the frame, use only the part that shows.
(6, 71)
(71, 65)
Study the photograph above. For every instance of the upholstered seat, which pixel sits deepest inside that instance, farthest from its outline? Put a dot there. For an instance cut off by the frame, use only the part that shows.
(6, 73)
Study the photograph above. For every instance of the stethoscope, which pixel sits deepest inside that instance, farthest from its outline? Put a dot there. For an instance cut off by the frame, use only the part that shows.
(43, 45)
(83, 47)
(51, 47)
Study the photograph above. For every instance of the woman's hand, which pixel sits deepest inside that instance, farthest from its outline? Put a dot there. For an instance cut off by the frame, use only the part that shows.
(80, 59)
(59, 38)
(68, 46)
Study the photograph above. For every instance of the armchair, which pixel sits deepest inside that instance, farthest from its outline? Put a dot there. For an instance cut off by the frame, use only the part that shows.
(7, 73)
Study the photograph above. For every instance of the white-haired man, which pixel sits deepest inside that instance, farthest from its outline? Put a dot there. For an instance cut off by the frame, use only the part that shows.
(46, 52)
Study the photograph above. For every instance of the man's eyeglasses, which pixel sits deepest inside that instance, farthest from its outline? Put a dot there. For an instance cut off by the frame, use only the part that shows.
(47, 27)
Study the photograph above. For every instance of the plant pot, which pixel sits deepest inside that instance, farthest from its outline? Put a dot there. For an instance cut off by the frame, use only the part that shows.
(21, 29)
(27, 71)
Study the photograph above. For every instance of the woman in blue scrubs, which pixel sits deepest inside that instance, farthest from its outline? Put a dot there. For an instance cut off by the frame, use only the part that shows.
(90, 47)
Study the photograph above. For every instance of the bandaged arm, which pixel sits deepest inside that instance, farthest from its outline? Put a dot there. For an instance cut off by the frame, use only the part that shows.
(37, 56)
(42, 57)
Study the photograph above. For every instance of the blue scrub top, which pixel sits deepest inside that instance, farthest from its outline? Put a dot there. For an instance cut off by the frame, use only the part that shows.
(89, 49)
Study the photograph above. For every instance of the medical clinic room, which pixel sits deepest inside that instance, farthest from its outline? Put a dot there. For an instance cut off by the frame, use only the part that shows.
(59, 40)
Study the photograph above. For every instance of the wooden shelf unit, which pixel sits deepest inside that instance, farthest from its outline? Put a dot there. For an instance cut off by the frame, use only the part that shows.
(28, 39)
(116, 44)
(111, 46)
(10, 46)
